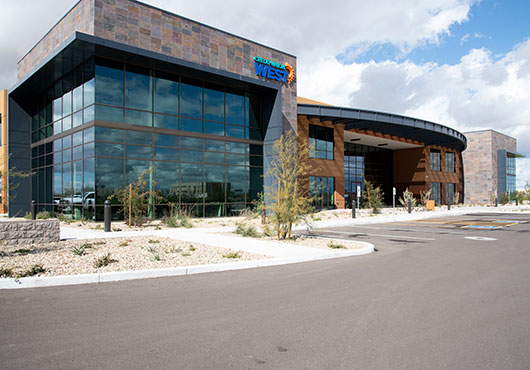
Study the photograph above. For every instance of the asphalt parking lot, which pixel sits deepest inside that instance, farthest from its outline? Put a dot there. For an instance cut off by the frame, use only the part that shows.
(434, 297)
(479, 227)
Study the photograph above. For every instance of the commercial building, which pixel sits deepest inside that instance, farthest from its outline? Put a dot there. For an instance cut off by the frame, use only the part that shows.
(118, 87)
(489, 162)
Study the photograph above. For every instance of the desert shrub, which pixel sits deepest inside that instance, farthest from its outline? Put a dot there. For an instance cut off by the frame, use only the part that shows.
(6, 272)
(81, 250)
(505, 198)
(34, 270)
(178, 217)
(425, 196)
(373, 196)
(43, 215)
(333, 245)
(103, 261)
(407, 195)
(247, 231)
(233, 255)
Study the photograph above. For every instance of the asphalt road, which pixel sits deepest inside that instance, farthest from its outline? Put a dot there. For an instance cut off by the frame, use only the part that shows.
(428, 299)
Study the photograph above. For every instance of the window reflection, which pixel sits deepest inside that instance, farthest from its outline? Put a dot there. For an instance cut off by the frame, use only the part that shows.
(138, 88)
(191, 98)
(166, 94)
(214, 103)
(108, 177)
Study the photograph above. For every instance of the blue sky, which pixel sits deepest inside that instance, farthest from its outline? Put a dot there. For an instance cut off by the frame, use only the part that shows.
(493, 24)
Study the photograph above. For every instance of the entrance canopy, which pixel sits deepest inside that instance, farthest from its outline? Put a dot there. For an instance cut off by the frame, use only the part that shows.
(391, 126)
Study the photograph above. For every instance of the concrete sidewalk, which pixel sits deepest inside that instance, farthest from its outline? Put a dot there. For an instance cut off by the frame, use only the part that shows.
(415, 215)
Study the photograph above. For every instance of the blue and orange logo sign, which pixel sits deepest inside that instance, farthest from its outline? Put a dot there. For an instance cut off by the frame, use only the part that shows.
(274, 71)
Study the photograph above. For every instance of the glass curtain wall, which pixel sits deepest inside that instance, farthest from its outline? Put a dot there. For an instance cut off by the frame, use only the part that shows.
(323, 189)
(365, 162)
(75, 171)
(510, 174)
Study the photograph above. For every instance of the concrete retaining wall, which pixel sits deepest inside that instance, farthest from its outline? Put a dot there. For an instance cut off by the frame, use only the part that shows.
(29, 232)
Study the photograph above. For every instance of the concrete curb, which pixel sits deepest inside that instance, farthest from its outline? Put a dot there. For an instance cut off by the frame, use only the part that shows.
(47, 281)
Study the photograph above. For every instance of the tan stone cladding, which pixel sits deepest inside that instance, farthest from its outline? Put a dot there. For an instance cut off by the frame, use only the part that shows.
(480, 164)
(29, 232)
(140, 25)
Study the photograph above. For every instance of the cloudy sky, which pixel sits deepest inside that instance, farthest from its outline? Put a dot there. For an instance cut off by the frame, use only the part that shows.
(462, 63)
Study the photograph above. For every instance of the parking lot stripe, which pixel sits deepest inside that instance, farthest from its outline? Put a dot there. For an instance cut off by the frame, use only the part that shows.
(383, 235)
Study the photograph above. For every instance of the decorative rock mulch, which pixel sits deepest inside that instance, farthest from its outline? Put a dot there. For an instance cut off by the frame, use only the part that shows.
(114, 254)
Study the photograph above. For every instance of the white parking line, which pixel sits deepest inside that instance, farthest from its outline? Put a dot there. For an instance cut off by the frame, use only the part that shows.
(404, 237)
(396, 228)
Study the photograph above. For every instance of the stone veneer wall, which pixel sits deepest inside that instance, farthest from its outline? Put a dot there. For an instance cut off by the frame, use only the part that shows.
(480, 164)
(140, 25)
(79, 18)
(29, 232)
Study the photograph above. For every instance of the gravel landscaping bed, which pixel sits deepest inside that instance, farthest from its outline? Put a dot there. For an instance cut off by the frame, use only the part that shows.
(107, 255)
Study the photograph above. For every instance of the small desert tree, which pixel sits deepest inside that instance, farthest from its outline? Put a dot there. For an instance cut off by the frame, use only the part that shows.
(139, 197)
(13, 176)
(287, 200)
(373, 196)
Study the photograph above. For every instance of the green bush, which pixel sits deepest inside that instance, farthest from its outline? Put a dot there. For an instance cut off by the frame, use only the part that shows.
(247, 231)
(103, 261)
(81, 250)
(233, 255)
(43, 215)
(332, 245)
(6, 272)
(27, 216)
(34, 270)
(178, 217)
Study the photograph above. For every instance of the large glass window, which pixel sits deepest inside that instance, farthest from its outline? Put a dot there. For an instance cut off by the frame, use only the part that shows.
(214, 103)
(191, 98)
(320, 142)
(109, 82)
(323, 189)
(75, 177)
(450, 162)
(436, 192)
(109, 177)
(138, 88)
(166, 94)
(510, 174)
(435, 160)
(450, 193)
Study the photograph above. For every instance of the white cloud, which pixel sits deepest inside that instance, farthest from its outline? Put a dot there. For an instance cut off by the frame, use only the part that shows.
(479, 92)
(305, 28)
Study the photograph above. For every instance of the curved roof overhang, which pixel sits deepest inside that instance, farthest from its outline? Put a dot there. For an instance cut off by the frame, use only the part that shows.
(429, 133)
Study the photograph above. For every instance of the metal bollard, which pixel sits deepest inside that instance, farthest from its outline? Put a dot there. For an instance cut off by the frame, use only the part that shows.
(449, 205)
(33, 210)
(353, 205)
(496, 202)
(516, 201)
(106, 215)
(410, 205)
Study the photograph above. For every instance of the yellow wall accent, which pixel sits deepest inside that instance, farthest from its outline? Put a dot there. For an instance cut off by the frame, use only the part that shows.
(3, 149)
